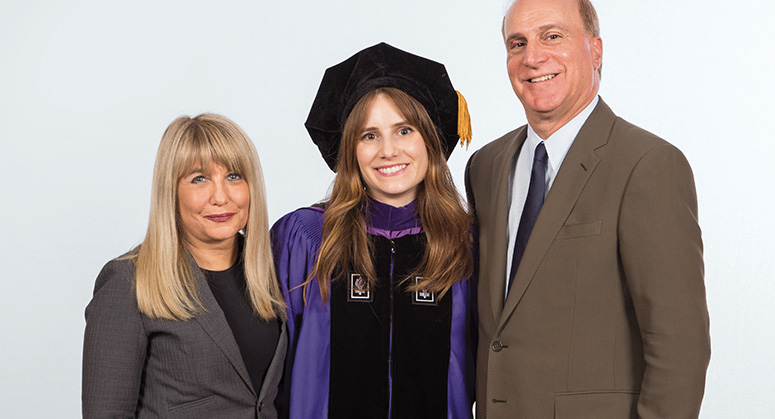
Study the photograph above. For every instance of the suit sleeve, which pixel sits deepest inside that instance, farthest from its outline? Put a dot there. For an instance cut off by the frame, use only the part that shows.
(114, 347)
(662, 258)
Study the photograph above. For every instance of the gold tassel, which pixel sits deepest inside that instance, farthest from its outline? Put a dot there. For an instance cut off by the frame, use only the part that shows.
(463, 121)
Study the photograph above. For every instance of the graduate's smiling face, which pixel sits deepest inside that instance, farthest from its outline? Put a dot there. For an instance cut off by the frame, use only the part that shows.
(391, 153)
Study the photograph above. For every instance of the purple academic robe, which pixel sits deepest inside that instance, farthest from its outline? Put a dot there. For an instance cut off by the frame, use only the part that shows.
(296, 242)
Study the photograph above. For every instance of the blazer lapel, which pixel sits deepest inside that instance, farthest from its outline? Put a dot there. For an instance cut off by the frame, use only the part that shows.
(576, 169)
(214, 323)
(276, 367)
(500, 201)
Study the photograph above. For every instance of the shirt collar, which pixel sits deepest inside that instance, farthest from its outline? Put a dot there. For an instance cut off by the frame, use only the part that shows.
(558, 144)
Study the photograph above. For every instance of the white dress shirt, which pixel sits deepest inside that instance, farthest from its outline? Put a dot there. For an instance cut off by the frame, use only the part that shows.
(557, 146)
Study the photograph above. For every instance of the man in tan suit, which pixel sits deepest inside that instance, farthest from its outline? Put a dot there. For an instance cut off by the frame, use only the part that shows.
(591, 295)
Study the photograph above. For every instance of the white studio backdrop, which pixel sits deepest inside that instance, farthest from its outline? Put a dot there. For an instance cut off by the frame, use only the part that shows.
(88, 87)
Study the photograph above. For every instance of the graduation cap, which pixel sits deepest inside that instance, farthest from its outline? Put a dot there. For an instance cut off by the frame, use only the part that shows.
(382, 65)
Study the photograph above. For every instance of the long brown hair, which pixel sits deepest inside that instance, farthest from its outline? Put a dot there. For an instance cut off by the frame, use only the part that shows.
(164, 281)
(447, 259)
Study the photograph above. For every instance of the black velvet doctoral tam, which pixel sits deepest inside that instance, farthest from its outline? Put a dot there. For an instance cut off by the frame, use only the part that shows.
(381, 66)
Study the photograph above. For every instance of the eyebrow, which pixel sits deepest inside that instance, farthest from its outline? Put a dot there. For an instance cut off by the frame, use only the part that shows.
(194, 171)
(397, 124)
(541, 29)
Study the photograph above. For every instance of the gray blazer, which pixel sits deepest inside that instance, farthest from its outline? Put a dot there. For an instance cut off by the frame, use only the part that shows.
(136, 367)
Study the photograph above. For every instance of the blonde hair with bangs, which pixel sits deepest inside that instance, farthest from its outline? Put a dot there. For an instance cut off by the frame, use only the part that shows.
(164, 281)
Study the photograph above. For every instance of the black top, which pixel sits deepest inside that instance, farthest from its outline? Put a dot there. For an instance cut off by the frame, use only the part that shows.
(257, 339)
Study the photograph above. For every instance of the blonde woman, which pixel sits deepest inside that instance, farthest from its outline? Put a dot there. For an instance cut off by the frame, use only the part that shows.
(190, 323)
(376, 279)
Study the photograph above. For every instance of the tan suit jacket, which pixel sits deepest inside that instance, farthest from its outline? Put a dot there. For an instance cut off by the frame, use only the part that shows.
(607, 316)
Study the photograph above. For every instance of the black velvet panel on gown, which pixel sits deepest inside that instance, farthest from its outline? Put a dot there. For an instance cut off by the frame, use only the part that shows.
(389, 347)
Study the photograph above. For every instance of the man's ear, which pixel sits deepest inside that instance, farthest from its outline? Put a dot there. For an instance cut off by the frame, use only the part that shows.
(596, 48)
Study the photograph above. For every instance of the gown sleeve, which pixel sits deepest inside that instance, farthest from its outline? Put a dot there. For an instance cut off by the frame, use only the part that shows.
(296, 241)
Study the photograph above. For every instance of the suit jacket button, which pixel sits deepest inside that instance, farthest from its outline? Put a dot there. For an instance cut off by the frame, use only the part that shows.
(497, 346)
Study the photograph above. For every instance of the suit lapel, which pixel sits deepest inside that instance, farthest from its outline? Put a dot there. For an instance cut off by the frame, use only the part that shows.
(214, 323)
(578, 166)
(500, 201)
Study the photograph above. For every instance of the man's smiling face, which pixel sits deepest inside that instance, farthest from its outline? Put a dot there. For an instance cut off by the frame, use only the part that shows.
(552, 61)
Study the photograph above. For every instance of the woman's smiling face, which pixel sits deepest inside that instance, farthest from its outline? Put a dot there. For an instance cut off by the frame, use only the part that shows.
(391, 154)
(213, 206)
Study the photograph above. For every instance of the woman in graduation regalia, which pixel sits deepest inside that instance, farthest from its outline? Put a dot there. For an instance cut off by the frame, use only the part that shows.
(381, 313)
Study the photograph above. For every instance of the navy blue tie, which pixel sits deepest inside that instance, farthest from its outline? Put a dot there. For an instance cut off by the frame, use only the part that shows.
(533, 203)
